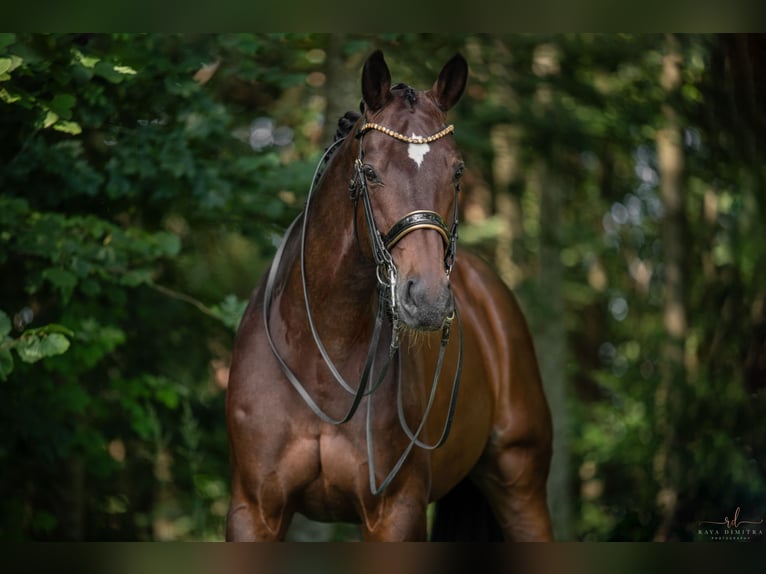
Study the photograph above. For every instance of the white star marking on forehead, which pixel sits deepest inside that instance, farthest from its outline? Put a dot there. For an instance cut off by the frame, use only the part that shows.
(417, 151)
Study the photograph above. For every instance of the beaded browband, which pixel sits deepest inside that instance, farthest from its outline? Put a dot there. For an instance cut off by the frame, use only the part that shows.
(409, 139)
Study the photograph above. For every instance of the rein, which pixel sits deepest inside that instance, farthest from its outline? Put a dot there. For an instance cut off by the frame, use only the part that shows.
(386, 273)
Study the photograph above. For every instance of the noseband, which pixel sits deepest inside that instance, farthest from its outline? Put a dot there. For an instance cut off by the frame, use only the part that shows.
(387, 278)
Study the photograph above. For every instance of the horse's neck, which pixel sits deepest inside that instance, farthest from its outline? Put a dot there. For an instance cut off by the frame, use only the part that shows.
(340, 279)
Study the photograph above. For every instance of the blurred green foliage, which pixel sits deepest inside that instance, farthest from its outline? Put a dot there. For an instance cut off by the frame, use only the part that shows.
(144, 180)
(127, 187)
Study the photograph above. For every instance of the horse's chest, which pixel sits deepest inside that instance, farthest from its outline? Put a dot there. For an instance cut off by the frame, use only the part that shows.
(333, 492)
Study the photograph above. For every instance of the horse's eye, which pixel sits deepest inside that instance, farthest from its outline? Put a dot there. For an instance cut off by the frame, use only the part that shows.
(459, 172)
(369, 174)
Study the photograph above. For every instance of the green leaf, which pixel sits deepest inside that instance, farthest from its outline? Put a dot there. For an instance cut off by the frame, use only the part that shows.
(62, 105)
(5, 324)
(36, 345)
(54, 344)
(8, 65)
(29, 349)
(68, 127)
(6, 363)
(85, 61)
(50, 119)
(125, 70)
(52, 328)
(167, 396)
(6, 96)
(108, 72)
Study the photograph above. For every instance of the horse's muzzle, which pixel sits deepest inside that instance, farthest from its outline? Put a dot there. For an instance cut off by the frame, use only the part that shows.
(424, 305)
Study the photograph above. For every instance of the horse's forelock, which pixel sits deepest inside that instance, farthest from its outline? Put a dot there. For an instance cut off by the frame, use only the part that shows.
(406, 91)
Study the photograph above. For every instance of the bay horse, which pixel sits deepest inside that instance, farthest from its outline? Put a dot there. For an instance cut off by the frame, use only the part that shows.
(393, 312)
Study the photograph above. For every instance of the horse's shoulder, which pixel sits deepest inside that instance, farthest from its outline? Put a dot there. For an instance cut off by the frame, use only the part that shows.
(478, 275)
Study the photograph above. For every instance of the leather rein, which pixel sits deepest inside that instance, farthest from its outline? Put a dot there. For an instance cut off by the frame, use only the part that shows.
(387, 275)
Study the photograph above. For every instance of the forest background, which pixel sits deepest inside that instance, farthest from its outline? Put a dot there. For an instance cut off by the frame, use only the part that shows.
(616, 182)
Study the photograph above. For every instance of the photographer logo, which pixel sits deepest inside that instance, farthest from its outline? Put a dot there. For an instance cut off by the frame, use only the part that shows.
(730, 529)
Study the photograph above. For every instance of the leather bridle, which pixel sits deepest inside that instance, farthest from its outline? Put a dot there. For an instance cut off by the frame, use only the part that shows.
(419, 219)
(387, 275)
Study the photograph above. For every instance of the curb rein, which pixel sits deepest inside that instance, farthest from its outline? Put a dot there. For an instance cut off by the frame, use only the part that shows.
(386, 274)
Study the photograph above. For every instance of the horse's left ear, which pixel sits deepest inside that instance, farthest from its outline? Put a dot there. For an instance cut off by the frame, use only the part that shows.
(450, 84)
(376, 82)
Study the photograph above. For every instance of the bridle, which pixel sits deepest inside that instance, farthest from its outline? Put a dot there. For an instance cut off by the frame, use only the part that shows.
(419, 219)
(386, 273)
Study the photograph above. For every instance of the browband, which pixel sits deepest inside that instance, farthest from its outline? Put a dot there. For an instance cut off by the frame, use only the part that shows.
(409, 139)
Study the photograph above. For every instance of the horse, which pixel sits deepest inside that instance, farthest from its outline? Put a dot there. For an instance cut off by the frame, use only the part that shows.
(334, 408)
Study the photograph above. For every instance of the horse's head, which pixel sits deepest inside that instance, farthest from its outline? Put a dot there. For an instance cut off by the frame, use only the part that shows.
(411, 169)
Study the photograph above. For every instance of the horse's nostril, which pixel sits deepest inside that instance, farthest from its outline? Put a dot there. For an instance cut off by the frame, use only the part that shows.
(424, 305)
(416, 295)
(409, 297)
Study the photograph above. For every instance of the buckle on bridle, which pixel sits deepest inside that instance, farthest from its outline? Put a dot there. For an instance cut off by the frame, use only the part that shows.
(387, 289)
(446, 326)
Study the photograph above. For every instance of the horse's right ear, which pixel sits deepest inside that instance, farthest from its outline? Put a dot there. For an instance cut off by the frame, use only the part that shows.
(376, 82)
(450, 84)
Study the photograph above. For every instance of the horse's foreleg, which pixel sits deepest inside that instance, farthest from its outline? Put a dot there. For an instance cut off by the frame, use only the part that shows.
(514, 482)
(261, 518)
(240, 523)
(397, 520)
(245, 523)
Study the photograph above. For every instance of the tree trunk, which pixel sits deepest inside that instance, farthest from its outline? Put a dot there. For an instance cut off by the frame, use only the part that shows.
(672, 374)
(552, 347)
(342, 84)
(506, 140)
(550, 339)
(506, 144)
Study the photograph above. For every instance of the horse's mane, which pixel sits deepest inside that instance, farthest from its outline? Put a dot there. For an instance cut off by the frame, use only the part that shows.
(345, 123)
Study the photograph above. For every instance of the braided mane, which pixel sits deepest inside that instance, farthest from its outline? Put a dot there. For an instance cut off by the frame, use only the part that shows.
(345, 123)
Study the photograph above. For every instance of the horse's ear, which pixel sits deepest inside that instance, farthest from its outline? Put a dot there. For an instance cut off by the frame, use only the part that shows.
(376, 82)
(450, 84)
